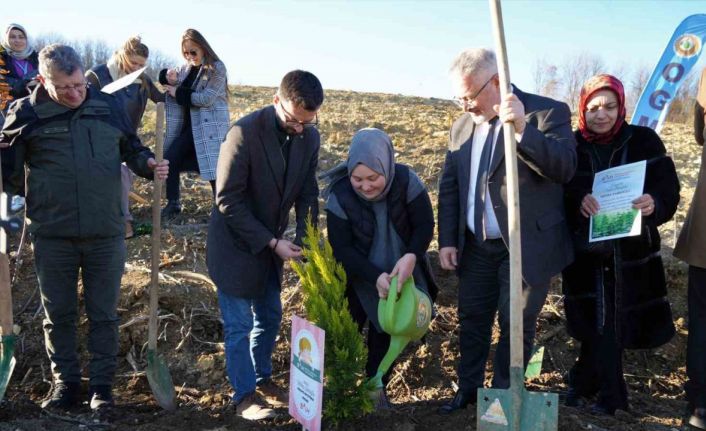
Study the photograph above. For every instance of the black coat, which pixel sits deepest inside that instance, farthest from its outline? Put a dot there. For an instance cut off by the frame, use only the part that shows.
(18, 84)
(352, 238)
(643, 314)
(255, 191)
(133, 98)
(18, 90)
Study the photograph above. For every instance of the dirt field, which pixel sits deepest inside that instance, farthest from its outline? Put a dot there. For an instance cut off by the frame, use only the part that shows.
(191, 332)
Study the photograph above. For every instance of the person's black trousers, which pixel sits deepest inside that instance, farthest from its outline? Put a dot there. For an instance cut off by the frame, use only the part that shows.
(695, 387)
(7, 156)
(378, 342)
(182, 158)
(484, 289)
(100, 262)
(599, 368)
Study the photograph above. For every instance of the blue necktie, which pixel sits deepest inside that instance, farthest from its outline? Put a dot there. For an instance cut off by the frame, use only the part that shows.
(482, 182)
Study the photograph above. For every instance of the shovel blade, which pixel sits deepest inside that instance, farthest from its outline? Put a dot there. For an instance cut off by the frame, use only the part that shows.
(160, 381)
(7, 362)
(534, 367)
(536, 411)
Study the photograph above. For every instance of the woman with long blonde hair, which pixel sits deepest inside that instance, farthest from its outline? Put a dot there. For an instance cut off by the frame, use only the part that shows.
(131, 57)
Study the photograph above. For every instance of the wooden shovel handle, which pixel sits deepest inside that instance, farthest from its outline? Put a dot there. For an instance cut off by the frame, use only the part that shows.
(156, 232)
(5, 280)
(513, 196)
(6, 322)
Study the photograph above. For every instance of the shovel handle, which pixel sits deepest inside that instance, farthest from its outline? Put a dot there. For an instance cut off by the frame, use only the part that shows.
(6, 322)
(156, 232)
(513, 195)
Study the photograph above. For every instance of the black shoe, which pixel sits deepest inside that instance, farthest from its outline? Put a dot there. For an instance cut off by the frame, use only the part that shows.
(172, 210)
(459, 401)
(64, 396)
(574, 399)
(697, 420)
(101, 397)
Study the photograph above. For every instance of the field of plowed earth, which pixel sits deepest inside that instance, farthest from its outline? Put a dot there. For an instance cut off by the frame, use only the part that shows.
(191, 333)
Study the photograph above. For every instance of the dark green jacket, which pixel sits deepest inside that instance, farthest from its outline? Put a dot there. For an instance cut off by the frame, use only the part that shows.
(73, 161)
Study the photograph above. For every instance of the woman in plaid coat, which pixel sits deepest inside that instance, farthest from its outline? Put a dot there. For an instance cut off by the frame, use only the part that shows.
(197, 115)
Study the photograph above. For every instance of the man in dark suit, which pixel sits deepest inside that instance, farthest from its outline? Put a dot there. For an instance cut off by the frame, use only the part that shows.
(473, 232)
(266, 165)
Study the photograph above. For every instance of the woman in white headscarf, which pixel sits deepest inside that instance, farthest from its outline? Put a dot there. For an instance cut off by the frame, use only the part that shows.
(20, 60)
(380, 223)
(21, 64)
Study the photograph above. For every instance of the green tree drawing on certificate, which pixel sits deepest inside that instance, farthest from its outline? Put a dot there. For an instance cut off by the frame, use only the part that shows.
(613, 223)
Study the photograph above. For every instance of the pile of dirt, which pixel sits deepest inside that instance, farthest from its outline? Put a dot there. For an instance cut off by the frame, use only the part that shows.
(191, 328)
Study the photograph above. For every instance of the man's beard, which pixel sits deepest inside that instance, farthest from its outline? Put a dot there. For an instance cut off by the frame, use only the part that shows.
(478, 118)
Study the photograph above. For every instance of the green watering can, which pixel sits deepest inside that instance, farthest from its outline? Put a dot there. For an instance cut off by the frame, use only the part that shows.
(405, 317)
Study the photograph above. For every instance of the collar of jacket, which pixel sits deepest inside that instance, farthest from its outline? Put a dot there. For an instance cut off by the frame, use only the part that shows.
(623, 137)
(45, 107)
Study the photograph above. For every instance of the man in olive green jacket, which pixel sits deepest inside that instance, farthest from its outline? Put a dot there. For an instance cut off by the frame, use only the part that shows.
(72, 139)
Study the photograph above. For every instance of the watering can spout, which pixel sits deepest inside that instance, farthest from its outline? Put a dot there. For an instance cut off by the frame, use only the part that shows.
(405, 317)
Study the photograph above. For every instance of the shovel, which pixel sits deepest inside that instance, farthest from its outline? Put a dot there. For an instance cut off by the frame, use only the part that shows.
(405, 318)
(157, 371)
(7, 335)
(515, 408)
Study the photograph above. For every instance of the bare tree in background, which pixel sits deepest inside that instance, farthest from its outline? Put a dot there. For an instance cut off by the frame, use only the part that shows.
(575, 71)
(546, 80)
(92, 52)
(157, 62)
(636, 86)
(95, 52)
(681, 110)
(45, 39)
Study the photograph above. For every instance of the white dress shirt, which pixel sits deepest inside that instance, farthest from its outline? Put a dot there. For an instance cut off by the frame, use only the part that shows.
(492, 229)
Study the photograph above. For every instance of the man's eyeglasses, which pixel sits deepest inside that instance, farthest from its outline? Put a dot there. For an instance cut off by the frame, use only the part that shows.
(462, 102)
(66, 88)
(291, 121)
(192, 53)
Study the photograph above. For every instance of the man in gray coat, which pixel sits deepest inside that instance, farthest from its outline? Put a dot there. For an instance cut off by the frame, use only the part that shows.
(266, 165)
(473, 232)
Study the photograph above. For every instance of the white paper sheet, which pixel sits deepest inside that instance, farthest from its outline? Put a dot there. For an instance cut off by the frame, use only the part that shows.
(123, 82)
(615, 189)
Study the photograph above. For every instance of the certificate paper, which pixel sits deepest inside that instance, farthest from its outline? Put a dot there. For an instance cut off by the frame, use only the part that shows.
(123, 82)
(615, 189)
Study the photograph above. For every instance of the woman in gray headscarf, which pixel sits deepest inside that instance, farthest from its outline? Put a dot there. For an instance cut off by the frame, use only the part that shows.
(380, 223)
(21, 64)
